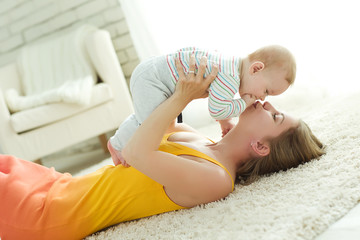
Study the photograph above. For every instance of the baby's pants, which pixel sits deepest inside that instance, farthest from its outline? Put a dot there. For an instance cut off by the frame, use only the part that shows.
(150, 85)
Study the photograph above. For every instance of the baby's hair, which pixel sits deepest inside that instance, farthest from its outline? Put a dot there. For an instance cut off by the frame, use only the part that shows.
(276, 56)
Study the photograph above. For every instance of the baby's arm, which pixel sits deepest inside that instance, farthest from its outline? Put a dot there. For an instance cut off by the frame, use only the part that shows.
(227, 124)
(228, 108)
(249, 99)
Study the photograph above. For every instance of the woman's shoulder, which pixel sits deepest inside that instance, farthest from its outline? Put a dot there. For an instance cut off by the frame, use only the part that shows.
(210, 181)
(210, 184)
(189, 137)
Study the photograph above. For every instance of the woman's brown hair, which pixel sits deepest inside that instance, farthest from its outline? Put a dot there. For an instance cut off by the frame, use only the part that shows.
(290, 149)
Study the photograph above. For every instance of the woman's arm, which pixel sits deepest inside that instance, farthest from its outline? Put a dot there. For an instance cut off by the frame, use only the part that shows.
(181, 127)
(149, 134)
(151, 131)
(199, 181)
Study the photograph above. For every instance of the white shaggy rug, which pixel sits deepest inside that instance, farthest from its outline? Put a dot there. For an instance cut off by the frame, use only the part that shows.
(297, 204)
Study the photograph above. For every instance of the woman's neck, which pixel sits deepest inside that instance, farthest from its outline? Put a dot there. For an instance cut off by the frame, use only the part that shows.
(231, 151)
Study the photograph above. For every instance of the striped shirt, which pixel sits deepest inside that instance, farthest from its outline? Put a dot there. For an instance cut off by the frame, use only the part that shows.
(221, 103)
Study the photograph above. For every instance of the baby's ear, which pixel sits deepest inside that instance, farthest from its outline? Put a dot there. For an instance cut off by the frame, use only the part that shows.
(257, 66)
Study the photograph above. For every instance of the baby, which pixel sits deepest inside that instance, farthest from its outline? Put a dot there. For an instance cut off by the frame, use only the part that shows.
(267, 71)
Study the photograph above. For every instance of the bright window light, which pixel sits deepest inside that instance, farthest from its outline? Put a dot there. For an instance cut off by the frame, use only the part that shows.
(322, 35)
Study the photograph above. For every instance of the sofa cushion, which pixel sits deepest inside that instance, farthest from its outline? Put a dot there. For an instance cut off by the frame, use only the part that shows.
(46, 114)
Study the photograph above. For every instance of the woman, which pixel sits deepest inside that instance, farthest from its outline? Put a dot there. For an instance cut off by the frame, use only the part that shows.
(179, 170)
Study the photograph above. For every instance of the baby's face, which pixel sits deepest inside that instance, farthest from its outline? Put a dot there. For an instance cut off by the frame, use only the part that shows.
(265, 83)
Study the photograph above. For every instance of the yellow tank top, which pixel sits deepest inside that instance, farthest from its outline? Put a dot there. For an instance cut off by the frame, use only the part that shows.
(75, 207)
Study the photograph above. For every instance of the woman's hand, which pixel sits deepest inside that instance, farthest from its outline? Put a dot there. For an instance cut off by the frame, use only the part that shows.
(193, 86)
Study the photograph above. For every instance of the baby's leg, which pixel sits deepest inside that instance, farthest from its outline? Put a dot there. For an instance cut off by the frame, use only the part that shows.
(122, 135)
(124, 132)
(148, 89)
(150, 85)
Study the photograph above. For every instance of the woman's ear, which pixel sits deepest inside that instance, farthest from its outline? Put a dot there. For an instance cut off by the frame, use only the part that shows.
(256, 66)
(262, 149)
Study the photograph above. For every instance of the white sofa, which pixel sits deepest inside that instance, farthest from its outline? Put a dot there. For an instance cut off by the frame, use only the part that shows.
(37, 132)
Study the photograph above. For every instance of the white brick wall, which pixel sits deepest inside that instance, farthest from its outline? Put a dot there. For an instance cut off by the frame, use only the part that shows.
(26, 21)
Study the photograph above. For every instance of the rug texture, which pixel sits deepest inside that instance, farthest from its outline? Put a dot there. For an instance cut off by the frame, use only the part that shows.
(297, 204)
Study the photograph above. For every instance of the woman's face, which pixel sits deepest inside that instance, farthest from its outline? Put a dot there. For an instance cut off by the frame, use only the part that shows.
(263, 120)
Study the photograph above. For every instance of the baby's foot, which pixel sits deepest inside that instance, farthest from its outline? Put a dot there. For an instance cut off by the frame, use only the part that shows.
(116, 156)
(121, 159)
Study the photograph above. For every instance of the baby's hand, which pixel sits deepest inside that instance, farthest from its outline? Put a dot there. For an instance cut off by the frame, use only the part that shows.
(249, 99)
(116, 156)
(226, 126)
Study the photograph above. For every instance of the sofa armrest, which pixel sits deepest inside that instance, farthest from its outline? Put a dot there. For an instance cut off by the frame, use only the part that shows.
(7, 132)
(4, 110)
(104, 59)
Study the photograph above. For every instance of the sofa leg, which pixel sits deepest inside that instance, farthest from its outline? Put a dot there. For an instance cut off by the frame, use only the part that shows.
(38, 161)
(103, 141)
